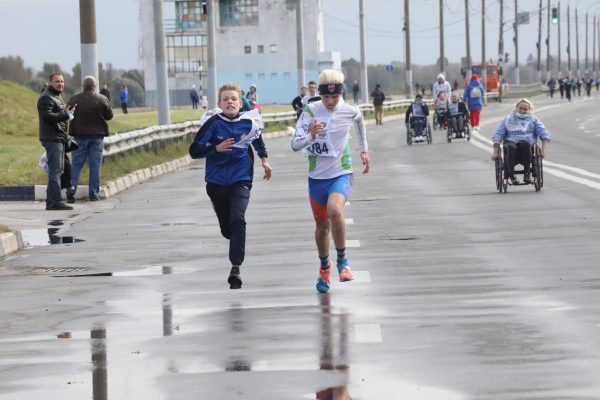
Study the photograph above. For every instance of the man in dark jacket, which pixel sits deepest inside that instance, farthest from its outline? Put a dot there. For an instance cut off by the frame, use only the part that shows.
(89, 129)
(378, 98)
(53, 119)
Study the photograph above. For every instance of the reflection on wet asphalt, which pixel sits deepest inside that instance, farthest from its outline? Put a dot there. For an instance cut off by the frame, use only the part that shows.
(45, 237)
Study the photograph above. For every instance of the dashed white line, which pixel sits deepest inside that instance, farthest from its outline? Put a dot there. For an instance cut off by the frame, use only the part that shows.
(368, 333)
(353, 243)
(349, 221)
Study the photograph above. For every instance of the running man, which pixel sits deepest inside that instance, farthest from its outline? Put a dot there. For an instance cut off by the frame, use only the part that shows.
(323, 133)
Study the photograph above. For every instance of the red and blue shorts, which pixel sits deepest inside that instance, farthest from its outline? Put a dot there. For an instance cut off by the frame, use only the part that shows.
(320, 189)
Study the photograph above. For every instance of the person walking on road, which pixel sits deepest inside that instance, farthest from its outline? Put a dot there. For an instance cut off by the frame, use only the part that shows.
(53, 117)
(473, 95)
(355, 92)
(297, 102)
(323, 134)
(224, 139)
(312, 95)
(124, 96)
(551, 86)
(378, 99)
(89, 128)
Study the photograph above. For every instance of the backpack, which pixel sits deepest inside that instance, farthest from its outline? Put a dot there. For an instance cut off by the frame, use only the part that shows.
(475, 92)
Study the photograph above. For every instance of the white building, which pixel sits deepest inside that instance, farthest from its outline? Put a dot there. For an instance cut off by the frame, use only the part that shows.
(255, 44)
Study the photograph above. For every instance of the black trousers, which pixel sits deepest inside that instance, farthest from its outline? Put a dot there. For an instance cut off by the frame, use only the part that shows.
(458, 123)
(230, 204)
(517, 152)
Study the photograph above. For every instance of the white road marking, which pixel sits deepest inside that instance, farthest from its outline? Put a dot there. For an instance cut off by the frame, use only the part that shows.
(349, 221)
(352, 243)
(368, 333)
(347, 203)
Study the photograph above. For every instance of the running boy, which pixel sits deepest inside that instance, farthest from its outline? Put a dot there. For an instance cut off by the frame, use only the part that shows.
(323, 133)
(224, 139)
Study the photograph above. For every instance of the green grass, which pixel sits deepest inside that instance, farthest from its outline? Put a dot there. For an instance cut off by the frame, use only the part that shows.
(4, 229)
(20, 148)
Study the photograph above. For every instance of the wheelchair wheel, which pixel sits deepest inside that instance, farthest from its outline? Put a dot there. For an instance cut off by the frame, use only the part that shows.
(409, 137)
(468, 132)
(449, 134)
(435, 120)
(428, 133)
(499, 179)
(538, 179)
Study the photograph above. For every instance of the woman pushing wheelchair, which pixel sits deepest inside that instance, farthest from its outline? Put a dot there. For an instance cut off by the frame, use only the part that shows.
(519, 133)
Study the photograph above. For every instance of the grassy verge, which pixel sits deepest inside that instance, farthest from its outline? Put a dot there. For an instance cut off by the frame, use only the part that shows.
(4, 229)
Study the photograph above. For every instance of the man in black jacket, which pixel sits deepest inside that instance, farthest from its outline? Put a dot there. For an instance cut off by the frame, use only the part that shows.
(53, 119)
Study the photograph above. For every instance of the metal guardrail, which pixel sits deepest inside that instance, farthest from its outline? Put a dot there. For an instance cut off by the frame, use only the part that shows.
(157, 137)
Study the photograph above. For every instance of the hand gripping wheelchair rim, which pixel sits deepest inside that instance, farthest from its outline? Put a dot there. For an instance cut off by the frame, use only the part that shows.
(467, 131)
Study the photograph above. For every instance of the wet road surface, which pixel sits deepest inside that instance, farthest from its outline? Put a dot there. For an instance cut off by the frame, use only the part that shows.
(461, 292)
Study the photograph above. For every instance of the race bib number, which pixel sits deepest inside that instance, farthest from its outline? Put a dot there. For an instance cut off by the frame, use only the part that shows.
(322, 146)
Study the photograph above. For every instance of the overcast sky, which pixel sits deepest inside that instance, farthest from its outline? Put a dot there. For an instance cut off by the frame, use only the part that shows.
(48, 30)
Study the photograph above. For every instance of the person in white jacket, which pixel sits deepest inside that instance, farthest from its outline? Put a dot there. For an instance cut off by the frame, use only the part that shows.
(323, 134)
(441, 86)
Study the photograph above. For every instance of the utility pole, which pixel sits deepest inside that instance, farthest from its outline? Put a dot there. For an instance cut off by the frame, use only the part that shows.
(586, 41)
(548, 44)
(501, 49)
(162, 84)
(300, 44)
(539, 44)
(87, 28)
(483, 60)
(569, 39)
(559, 67)
(211, 76)
(407, 66)
(468, 37)
(364, 85)
(516, 40)
(576, 40)
(594, 49)
(442, 36)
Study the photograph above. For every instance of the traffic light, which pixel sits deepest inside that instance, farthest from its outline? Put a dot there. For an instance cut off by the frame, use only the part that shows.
(554, 15)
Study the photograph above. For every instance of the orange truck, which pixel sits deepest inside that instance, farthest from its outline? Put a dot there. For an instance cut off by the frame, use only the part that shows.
(493, 76)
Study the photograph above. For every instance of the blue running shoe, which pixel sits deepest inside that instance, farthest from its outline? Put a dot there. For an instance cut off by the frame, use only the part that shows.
(324, 282)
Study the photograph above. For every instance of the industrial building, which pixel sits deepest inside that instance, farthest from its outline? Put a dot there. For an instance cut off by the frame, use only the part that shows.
(255, 44)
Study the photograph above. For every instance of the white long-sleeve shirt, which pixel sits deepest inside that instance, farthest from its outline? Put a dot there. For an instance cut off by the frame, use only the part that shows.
(441, 87)
(329, 155)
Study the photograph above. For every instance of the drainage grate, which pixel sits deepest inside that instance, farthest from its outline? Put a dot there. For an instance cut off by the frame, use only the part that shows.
(57, 270)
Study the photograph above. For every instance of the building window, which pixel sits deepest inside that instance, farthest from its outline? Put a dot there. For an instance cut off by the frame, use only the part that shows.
(273, 48)
(185, 53)
(260, 48)
(273, 76)
(286, 76)
(190, 15)
(248, 77)
(261, 76)
(238, 12)
(247, 49)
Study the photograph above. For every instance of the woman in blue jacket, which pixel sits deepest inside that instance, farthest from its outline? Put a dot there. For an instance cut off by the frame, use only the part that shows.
(473, 95)
(224, 139)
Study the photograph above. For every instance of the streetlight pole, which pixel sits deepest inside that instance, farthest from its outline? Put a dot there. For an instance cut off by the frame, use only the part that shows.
(442, 36)
(483, 60)
(468, 38)
(569, 39)
(407, 66)
(516, 40)
(364, 84)
(539, 44)
(559, 66)
(548, 44)
(300, 45)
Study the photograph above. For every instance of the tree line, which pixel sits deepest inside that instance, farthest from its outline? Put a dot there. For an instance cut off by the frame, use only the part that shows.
(13, 69)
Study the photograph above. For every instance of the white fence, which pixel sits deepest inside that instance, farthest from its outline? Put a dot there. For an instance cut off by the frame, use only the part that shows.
(156, 137)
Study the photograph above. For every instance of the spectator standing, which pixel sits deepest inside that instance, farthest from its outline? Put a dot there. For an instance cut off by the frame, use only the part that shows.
(552, 86)
(312, 94)
(588, 86)
(474, 94)
(297, 102)
(378, 99)
(105, 92)
(355, 91)
(89, 128)
(195, 97)
(53, 117)
(252, 96)
(124, 95)
(454, 85)
(561, 86)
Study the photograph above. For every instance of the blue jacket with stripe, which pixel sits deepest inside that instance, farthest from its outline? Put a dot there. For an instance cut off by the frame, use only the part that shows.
(226, 168)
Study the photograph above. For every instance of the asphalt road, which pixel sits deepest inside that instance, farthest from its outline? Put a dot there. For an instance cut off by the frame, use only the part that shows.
(461, 292)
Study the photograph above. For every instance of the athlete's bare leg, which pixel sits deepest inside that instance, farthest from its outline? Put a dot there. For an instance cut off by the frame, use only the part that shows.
(335, 209)
(322, 237)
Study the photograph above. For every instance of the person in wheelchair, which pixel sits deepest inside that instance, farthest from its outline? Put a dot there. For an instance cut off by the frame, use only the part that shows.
(440, 105)
(458, 114)
(417, 114)
(519, 132)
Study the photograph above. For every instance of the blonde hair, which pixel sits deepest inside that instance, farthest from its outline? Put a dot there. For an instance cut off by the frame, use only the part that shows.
(230, 86)
(526, 101)
(330, 76)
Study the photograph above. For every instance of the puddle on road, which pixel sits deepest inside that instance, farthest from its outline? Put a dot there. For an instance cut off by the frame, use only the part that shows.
(46, 237)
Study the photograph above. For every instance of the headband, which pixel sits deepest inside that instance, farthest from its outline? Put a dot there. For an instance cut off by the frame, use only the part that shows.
(331, 88)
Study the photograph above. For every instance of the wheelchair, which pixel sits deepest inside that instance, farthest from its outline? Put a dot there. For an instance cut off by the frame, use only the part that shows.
(452, 134)
(411, 134)
(440, 118)
(537, 170)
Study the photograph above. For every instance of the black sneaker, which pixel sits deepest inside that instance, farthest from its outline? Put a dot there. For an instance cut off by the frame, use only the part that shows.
(527, 178)
(234, 280)
(71, 195)
(514, 180)
(59, 206)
